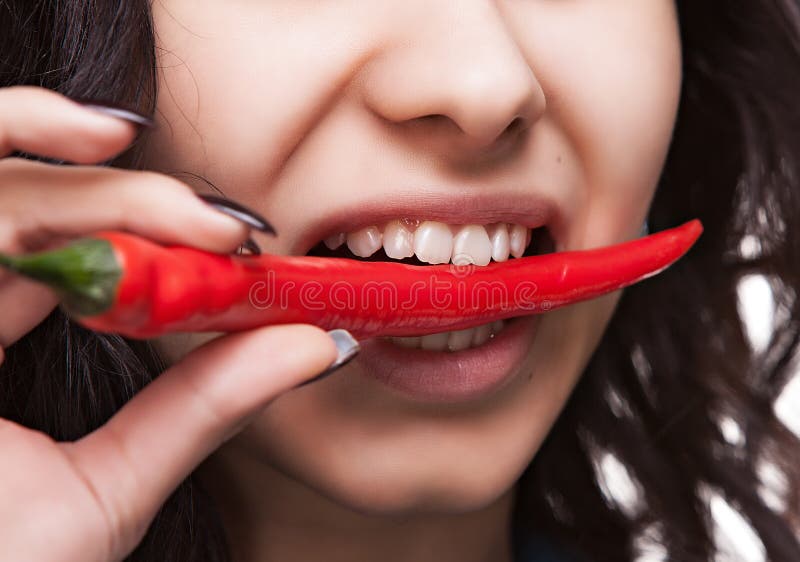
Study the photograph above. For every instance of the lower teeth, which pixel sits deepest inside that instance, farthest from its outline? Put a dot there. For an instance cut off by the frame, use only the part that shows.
(452, 341)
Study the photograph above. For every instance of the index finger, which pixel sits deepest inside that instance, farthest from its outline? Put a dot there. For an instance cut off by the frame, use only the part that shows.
(45, 123)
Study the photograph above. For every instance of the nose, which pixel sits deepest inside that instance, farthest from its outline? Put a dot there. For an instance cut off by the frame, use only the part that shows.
(456, 78)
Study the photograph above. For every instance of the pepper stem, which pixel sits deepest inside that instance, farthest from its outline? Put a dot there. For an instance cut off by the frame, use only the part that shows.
(84, 273)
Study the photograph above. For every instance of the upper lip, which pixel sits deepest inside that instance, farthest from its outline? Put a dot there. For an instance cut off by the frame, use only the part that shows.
(531, 209)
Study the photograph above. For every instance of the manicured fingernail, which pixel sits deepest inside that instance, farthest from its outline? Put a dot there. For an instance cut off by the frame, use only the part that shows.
(115, 110)
(251, 246)
(239, 212)
(348, 348)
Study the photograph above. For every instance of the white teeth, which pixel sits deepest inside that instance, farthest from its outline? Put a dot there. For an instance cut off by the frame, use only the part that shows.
(333, 242)
(412, 342)
(398, 241)
(472, 245)
(500, 242)
(433, 242)
(481, 335)
(458, 340)
(434, 342)
(364, 242)
(517, 240)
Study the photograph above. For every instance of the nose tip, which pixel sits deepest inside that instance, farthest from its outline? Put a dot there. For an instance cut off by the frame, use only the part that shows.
(462, 67)
(485, 105)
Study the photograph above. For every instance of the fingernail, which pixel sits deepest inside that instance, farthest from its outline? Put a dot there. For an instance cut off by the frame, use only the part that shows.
(348, 348)
(251, 246)
(239, 212)
(115, 110)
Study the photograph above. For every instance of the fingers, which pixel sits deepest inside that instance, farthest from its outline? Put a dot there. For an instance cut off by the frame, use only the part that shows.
(43, 200)
(40, 121)
(50, 200)
(43, 204)
(24, 304)
(151, 445)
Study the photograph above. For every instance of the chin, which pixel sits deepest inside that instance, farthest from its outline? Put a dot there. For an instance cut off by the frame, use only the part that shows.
(445, 469)
(461, 489)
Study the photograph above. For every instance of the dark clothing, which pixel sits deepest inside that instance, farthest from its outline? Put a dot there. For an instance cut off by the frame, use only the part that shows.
(535, 548)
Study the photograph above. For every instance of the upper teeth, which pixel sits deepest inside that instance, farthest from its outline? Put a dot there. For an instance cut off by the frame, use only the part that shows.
(436, 242)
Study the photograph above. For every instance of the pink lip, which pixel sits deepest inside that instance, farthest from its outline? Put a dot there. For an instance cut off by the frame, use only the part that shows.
(445, 377)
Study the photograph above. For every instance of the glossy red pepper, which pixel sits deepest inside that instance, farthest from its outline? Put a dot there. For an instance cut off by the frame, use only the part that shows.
(125, 284)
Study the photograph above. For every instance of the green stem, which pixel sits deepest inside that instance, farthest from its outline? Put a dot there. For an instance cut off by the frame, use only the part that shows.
(85, 273)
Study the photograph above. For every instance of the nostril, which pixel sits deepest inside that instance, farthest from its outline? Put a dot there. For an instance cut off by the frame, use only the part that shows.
(437, 123)
(519, 124)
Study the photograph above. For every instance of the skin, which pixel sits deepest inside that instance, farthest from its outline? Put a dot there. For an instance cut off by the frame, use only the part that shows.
(293, 108)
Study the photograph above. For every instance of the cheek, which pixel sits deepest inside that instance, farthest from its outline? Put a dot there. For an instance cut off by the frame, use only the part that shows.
(222, 70)
(611, 72)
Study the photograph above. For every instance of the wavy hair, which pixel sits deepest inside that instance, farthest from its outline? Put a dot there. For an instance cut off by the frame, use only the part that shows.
(673, 363)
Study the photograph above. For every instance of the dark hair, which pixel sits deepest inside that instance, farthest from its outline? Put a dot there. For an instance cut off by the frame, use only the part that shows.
(673, 361)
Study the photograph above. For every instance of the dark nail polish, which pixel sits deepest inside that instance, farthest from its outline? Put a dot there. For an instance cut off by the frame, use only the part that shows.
(240, 212)
(348, 348)
(116, 110)
(251, 246)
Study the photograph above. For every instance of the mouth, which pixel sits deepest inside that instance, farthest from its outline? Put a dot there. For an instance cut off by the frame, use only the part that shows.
(475, 230)
(419, 242)
(455, 365)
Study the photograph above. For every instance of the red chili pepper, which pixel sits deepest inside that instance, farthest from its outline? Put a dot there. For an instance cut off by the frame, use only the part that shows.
(125, 284)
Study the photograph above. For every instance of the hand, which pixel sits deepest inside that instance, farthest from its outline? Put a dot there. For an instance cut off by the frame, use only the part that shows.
(93, 499)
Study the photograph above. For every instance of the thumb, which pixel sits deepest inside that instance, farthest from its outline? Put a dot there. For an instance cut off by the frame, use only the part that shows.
(135, 461)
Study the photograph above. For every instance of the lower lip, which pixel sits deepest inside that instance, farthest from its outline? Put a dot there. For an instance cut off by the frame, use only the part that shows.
(450, 377)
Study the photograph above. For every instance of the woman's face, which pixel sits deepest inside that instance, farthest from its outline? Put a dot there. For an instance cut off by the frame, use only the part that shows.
(328, 117)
